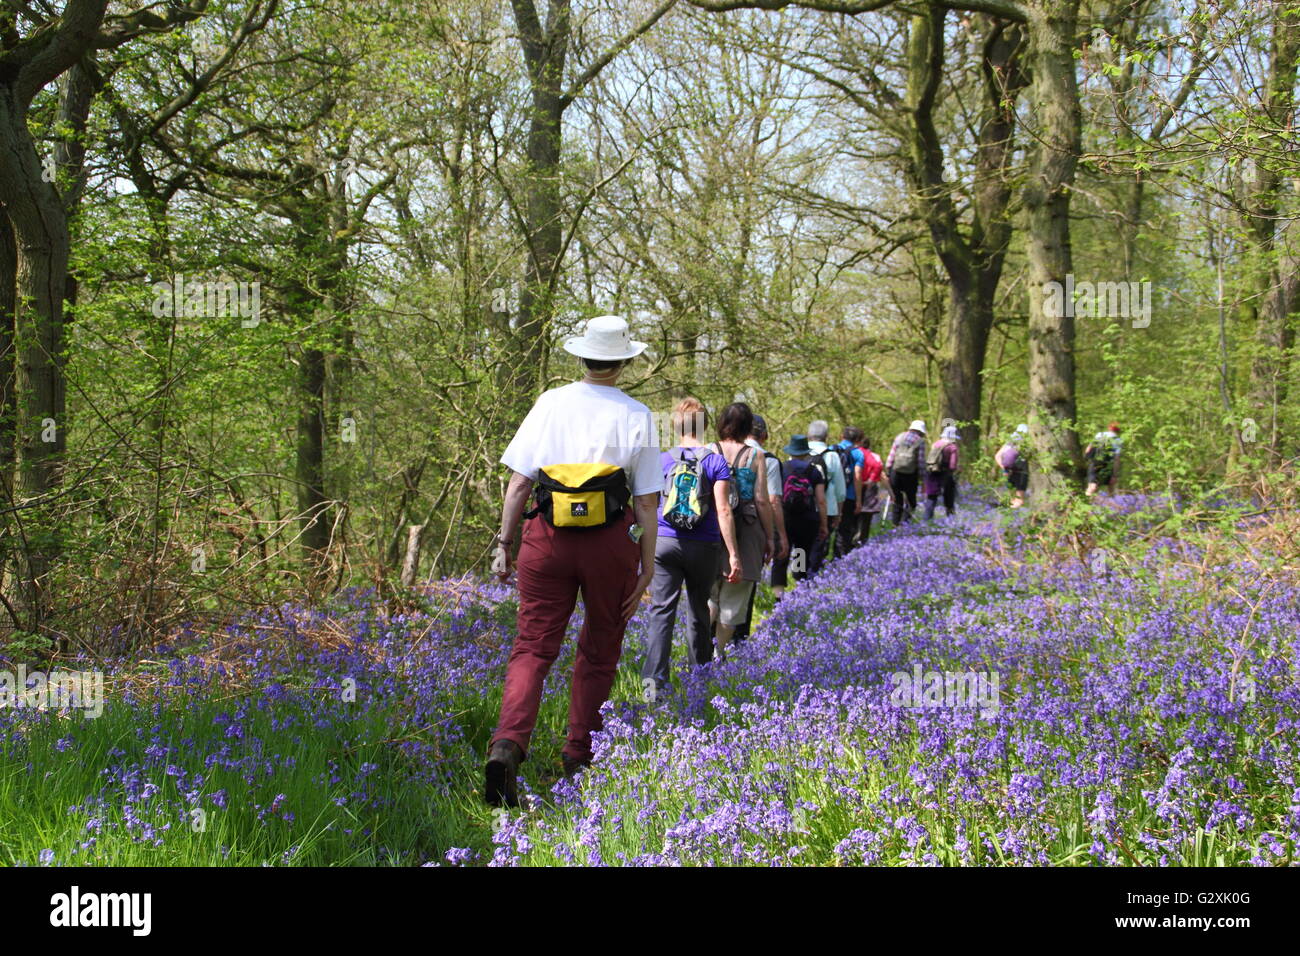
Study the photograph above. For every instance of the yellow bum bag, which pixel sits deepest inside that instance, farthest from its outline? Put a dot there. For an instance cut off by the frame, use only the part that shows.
(581, 496)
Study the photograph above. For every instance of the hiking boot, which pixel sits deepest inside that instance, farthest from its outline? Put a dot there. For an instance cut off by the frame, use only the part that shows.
(573, 765)
(502, 769)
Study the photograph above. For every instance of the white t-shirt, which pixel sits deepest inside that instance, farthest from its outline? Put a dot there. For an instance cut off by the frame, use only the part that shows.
(585, 424)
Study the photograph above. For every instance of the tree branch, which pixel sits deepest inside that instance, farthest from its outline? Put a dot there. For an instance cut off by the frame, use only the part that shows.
(826, 6)
(53, 47)
(622, 44)
(1006, 9)
(118, 30)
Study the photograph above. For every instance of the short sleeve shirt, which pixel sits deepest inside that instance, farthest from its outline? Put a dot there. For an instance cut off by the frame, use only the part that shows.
(581, 423)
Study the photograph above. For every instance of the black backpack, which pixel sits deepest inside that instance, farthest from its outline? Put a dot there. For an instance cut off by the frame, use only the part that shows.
(846, 463)
(818, 461)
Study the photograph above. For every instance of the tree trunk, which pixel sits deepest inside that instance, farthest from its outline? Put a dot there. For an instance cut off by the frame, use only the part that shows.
(8, 280)
(1052, 404)
(411, 563)
(1275, 282)
(972, 260)
(313, 503)
(41, 238)
(545, 52)
(325, 425)
(970, 319)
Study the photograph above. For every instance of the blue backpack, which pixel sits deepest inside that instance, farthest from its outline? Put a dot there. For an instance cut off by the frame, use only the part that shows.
(744, 478)
(685, 499)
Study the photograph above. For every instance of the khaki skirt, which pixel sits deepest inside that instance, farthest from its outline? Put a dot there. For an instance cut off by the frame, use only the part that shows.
(749, 539)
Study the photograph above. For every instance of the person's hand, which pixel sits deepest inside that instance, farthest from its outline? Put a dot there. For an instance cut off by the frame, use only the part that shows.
(768, 549)
(736, 572)
(502, 563)
(822, 534)
(633, 599)
(783, 551)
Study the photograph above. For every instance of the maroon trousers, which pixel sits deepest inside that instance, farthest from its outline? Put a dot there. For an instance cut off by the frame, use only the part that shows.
(553, 566)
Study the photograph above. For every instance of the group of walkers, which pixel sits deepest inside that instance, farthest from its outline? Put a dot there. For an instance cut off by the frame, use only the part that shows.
(913, 467)
(614, 516)
(730, 506)
(1102, 455)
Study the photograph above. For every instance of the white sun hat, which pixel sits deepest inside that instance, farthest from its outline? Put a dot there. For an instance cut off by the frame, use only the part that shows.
(917, 426)
(605, 339)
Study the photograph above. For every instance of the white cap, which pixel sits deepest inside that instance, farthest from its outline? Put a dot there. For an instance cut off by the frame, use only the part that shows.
(917, 426)
(606, 339)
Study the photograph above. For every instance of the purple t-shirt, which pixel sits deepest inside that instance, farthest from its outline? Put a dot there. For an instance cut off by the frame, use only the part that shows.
(713, 468)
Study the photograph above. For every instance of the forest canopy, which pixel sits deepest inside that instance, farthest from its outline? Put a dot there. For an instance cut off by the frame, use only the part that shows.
(279, 278)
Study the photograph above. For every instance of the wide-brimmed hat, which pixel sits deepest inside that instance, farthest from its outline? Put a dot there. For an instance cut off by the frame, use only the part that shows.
(798, 446)
(917, 426)
(605, 339)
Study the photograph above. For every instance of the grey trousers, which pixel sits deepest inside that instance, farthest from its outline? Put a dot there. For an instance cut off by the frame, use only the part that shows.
(677, 562)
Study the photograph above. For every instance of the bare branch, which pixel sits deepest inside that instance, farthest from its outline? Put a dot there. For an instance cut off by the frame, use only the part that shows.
(1006, 9)
(622, 44)
(826, 6)
(118, 30)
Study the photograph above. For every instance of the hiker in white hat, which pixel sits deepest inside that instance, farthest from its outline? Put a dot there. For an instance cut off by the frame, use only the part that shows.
(593, 454)
(941, 467)
(605, 339)
(904, 466)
